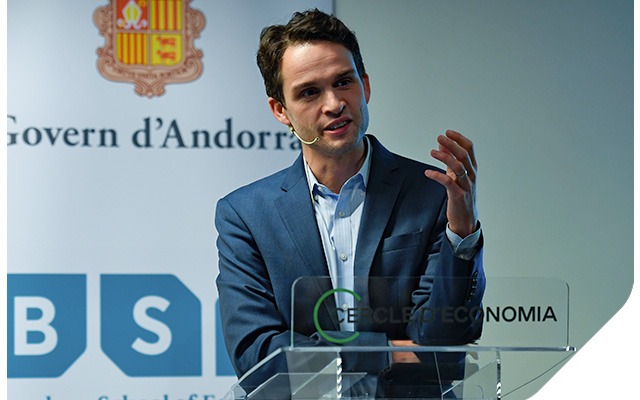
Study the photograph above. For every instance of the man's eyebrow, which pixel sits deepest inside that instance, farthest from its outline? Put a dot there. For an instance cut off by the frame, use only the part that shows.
(305, 85)
(348, 72)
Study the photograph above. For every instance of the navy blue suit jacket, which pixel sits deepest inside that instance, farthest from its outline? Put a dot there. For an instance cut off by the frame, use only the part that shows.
(268, 238)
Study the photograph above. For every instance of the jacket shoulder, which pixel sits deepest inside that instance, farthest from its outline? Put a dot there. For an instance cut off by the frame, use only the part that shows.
(268, 186)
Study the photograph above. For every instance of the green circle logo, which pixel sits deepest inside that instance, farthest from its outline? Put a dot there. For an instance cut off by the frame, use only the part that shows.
(317, 323)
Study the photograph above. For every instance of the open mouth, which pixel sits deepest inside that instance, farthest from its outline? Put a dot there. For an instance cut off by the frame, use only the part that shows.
(338, 125)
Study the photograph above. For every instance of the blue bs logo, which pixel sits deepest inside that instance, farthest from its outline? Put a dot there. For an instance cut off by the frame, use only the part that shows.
(150, 325)
(46, 327)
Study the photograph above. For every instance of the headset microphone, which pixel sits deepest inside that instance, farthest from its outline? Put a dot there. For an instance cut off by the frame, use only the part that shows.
(300, 139)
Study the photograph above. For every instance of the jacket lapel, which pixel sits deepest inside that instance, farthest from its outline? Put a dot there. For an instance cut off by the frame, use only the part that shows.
(382, 191)
(296, 210)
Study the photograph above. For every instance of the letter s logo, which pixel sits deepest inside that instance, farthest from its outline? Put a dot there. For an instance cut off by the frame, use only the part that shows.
(145, 321)
(150, 325)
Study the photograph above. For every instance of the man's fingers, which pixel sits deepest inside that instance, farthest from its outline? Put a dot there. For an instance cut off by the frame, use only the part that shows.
(452, 185)
(460, 153)
(465, 143)
(456, 170)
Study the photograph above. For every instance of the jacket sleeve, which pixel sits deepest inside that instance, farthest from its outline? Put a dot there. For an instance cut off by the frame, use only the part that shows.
(447, 303)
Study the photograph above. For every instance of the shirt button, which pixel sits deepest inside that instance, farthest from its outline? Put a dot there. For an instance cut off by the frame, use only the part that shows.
(343, 257)
(345, 306)
(341, 214)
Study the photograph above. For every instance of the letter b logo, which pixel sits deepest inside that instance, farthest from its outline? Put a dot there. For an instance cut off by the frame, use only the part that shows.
(46, 325)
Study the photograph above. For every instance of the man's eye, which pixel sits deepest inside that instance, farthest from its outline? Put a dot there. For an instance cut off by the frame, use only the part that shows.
(308, 92)
(343, 82)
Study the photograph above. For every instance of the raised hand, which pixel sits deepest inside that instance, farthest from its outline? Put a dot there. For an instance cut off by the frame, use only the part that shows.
(456, 152)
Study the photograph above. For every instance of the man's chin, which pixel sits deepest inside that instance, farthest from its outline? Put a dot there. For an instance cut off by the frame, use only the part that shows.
(340, 146)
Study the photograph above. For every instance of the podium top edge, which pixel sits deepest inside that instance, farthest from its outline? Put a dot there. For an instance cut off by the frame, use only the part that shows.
(421, 349)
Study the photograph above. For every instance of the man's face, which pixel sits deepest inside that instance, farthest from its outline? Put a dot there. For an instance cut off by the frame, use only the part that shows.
(324, 96)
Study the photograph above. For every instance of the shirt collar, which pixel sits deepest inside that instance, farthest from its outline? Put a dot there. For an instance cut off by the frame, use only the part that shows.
(364, 169)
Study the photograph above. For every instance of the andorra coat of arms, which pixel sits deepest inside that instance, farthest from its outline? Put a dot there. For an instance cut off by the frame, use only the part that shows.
(149, 43)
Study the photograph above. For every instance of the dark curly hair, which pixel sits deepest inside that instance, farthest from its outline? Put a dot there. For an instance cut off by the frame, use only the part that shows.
(303, 27)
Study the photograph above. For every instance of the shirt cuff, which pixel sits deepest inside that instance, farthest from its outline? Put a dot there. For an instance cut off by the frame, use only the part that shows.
(464, 248)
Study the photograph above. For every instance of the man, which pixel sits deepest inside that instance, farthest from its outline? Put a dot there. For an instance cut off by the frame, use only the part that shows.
(347, 208)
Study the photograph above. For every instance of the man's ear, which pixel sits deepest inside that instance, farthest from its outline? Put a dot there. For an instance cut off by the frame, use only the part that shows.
(279, 111)
(367, 87)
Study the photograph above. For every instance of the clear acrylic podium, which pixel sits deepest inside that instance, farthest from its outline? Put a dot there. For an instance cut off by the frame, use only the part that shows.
(524, 328)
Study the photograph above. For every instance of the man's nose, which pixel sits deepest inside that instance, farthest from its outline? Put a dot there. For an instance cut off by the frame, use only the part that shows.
(333, 103)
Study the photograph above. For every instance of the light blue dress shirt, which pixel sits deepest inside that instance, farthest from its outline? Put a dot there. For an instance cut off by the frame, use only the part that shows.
(338, 217)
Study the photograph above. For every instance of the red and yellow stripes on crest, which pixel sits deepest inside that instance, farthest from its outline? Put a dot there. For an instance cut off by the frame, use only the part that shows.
(133, 48)
(158, 18)
(166, 15)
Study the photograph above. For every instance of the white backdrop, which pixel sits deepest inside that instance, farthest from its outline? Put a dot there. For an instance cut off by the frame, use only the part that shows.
(544, 88)
(118, 222)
